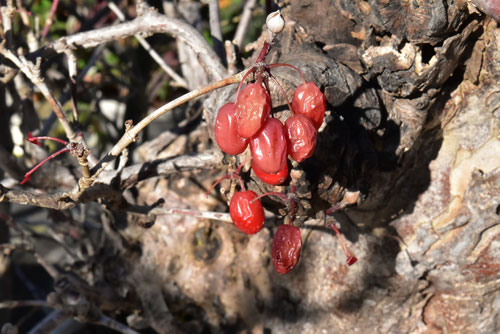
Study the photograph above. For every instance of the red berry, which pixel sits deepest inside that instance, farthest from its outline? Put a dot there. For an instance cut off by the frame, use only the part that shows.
(268, 147)
(310, 102)
(226, 133)
(252, 109)
(247, 216)
(301, 137)
(277, 178)
(285, 249)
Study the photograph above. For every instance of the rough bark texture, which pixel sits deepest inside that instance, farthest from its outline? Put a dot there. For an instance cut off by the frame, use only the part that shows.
(413, 124)
(414, 104)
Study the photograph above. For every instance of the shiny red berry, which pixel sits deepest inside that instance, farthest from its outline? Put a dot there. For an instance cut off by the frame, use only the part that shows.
(275, 179)
(252, 109)
(285, 249)
(301, 137)
(247, 215)
(268, 147)
(310, 102)
(226, 133)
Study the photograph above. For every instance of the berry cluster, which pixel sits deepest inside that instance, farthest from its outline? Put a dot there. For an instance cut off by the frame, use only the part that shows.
(249, 122)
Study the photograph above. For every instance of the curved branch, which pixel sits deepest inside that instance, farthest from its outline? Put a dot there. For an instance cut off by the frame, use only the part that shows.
(149, 23)
(127, 177)
(131, 175)
(131, 135)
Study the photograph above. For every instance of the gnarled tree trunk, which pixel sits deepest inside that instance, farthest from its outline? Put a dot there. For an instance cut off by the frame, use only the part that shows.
(413, 125)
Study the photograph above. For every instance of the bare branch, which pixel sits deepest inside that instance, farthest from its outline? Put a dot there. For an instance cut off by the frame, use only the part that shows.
(130, 135)
(130, 175)
(32, 71)
(23, 303)
(230, 57)
(161, 211)
(149, 23)
(242, 29)
(113, 324)
(70, 56)
(66, 200)
(7, 12)
(53, 10)
(156, 57)
(225, 217)
(65, 97)
(215, 30)
(50, 322)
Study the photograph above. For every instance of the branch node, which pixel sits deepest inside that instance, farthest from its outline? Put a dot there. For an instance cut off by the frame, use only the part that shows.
(129, 125)
(81, 153)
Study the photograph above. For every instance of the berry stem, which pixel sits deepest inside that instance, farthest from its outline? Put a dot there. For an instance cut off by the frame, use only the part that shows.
(334, 208)
(283, 91)
(351, 259)
(272, 193)
(253, 69)
(288, 65)
(31, 171)
(34, 140)
(263, 52)
(230, 176)
(293, 201)
(225, 177)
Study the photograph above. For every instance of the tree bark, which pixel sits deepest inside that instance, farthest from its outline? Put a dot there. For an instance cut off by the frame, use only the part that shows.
(412, 89)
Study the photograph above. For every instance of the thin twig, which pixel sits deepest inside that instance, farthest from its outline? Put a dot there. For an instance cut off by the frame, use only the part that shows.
(215, 29)
(65, 97)
(113, 324)
(50, 20)
(49, 268)
(156, 57)
(130, 135)
(131, 175)
(225, 217)
(67, 200)
(230, 57)
(148, 23)
(7, 12)
(242, 28)
(32, 170)
(50, 322)
(32, 71)
(128, 177)
(70, 56)
(23, 303)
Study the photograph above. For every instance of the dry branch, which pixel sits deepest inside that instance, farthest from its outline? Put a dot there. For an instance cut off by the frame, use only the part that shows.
(156, 57)
(149, 23)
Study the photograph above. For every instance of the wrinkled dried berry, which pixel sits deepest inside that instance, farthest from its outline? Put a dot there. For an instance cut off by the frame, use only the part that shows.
(301, 137)
(253, 106)
(310, 102)
(285, 249)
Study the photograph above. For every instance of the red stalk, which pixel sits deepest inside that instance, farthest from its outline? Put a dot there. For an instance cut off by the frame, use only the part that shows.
(27, 176)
